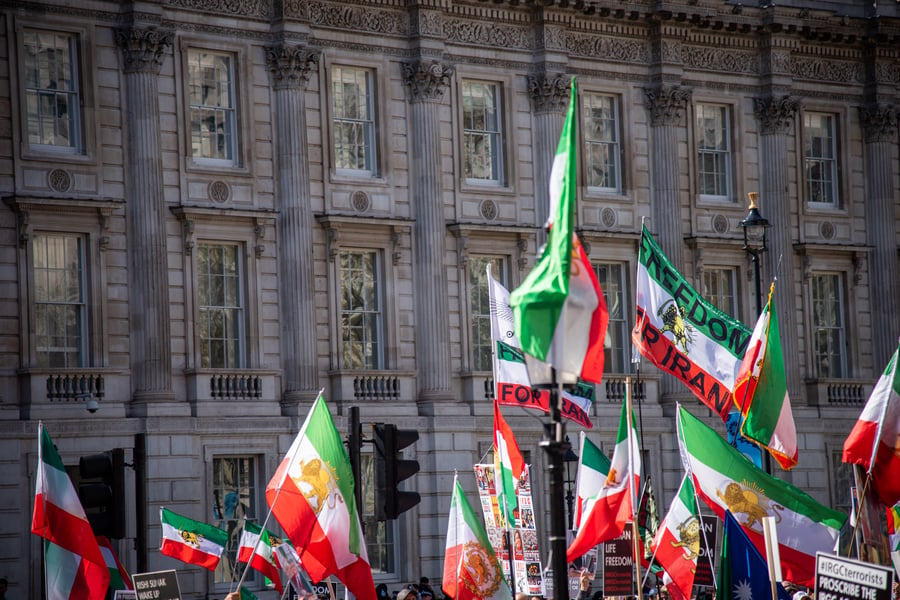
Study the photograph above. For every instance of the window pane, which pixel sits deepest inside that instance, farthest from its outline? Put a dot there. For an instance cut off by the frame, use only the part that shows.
(714, 150)
(353, 113)
(233, 501)
(60, 306)
(360, 311)
(52, 99)
(719, 289)
(481, 130)
(828, 326)
(221, 310)
(611, 277)
(480, 308)
(211, 105)
(820, 150)
(601, 139)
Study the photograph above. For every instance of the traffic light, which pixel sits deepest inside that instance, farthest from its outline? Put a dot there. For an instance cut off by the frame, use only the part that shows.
(102, 492)
(390, 470)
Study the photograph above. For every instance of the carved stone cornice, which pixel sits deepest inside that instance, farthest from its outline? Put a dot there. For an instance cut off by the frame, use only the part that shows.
(666, 104)
(775, 115)
(426, 81)
(879, 122)
(143, 48)
(290, 66)
(549, 92)
(247, 8)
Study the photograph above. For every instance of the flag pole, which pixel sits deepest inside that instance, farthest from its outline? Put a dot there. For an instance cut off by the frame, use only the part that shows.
(636, 548)
(555, 446)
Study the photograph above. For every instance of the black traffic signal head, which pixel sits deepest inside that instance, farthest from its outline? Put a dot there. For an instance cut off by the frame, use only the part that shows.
(391, 469)
(102, 492)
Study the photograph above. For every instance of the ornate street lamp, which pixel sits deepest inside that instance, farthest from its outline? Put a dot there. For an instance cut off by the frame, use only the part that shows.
(755, 226)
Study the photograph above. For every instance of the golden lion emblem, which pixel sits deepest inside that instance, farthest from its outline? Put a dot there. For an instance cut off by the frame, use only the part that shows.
(483, 572)
(689, 537)
(673, 322)
(744, 501)
(191, 538)
(314, 482)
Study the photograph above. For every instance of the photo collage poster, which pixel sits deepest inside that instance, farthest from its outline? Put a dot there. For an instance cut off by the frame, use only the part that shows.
(526, 555)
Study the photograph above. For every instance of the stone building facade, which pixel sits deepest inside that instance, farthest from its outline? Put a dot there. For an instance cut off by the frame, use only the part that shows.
(214, 208)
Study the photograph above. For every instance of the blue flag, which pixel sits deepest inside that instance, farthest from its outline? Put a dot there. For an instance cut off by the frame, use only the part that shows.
(743, 574)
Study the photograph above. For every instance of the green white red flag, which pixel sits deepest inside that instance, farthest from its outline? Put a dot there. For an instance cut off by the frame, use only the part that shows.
(256, 548)
(118, 576)
(190, 541)
(606, 514)
(560, 313)
(872, 442)
(513, 386)
(676, 545)
(683, 334)
(471, 569)
(74, 565)
(593, 467)
(311, 495)
(761, 391)
(508, 465)
(725, 480)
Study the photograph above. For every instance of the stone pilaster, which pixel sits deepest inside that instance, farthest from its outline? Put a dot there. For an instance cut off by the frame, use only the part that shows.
(143, 50)
(290, 68)
(549, 99)
(426, 82)
(879, 123)
(776, 117)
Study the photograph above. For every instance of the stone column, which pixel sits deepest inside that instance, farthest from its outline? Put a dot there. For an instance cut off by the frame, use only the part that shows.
(426, 82)
(879, 123)
(776, 117)
(148, 276)
(549, 99)
(666, 106)
(290, 68)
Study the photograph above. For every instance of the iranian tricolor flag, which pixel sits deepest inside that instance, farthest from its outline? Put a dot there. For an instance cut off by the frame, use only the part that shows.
(191, 541)
(508, 465)
(725, 480)
(593, 467)
(559, 309)
(683, 334)
(118, 576)
(893, 522)
(606, 514)
(256, 549)
(471, 569)
(677, 543)
(74, 565)
(761, 391)
(513, 386)
(311, 496)
(873, 441)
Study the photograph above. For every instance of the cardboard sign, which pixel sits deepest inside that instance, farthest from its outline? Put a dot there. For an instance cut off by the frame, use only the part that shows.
(710, 529)
(161, 585)
(846, 579)
(618, 565)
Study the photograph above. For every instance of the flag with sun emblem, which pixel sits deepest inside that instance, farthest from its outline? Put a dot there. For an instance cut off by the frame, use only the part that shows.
(471, 569)
(743, 574)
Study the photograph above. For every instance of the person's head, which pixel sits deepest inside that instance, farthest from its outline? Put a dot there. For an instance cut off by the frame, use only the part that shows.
(406, 594)
(522, 596)
(381, 591)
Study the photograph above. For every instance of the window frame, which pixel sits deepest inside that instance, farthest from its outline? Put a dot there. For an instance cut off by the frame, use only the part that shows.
(843, 313)
(470, 271)
(835, 161)
(624, 322)
(617, 144)
(242, 162)
(378, 313)
(373, 168)
(241, 292)
(501, 175)
(731, 274)
(728, 154)
(85, 150)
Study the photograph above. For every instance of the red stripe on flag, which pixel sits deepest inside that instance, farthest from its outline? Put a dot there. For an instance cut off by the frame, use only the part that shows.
(592, 368)
(65, 530)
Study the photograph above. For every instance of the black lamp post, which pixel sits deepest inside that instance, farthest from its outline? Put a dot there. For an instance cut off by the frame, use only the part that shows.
(569, 458)
(755, 226)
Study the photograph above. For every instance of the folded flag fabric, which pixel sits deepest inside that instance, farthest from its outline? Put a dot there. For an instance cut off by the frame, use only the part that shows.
(761, 391)
(677, 543)
(743, 573)
(513, 386)
(118, 576)
(683, 334)
(74, 565)
(191, 541)
(471, 569)
(508, 465)
(559, 310)
(607, 513)
(725, 480)
(256, 549)
(593, 467)
(873, 441)
(312, 496)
